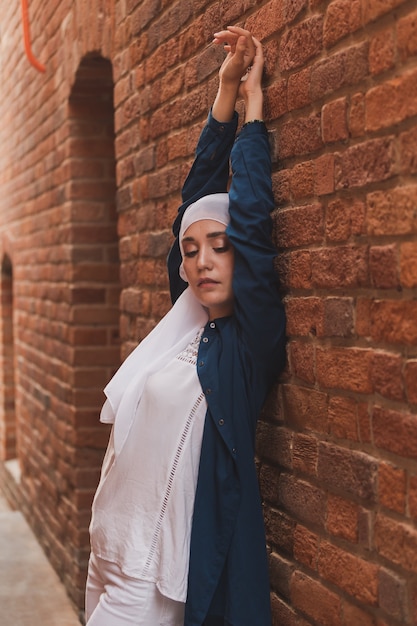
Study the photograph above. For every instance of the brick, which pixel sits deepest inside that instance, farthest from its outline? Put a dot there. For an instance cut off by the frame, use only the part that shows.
(274, 444)
(408, 151)
(369, 162)
(324, 174)
(354, 615)
(168, 179)
(346, 68)
(304, 454)
(391, 487)
(280, 574)
(301, 225)
(300, 137)
(304, 315)
(282, 613)
(408, 264)
(123, 199)
(315, 601)
(293, 9)
(400, 94)
(279, 531)
(344, 219)
(345, 266)
(383, 206)
(352, 574)
(382, 52)
(294, 269)
(87, 295)
(305, 407)
(387, 375)
(373, 10)
(356, 115)
(306, 547)
(395, 431)
(392, 594)
(298, 88)
(383, 264)
(192, 38)
(396, 542)
(343, 418)
(338, 318)
(393, 321)
(334, 121)
(301, 43)
(407, 35)
(276, 101)
(268, 482)
(342, 518)
(355, 473)
(342, 19)
(344, 368)
(410, 376)
(271, 51)
(302, 361)
(301, 500)
(268, 20)
(302, 183)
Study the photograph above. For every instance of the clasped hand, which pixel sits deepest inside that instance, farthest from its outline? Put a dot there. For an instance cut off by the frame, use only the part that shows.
(243, 61)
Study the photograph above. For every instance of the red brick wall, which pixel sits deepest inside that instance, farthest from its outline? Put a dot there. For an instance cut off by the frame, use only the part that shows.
(125, 93)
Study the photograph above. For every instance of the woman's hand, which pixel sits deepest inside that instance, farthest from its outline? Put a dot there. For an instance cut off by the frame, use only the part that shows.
(251, 85)
(240, 74)
(251, 81)
(241, 49)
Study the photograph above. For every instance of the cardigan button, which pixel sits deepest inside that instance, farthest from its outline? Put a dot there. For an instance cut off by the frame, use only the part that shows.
(234, 450)
(212, 325)
(208, 391)
(205, 339)
(201, 363)
(221, 422)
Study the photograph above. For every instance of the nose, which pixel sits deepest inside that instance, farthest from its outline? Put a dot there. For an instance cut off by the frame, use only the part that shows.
(204, 258)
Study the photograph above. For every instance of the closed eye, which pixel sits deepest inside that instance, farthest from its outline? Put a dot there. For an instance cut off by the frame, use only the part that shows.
(190, 254)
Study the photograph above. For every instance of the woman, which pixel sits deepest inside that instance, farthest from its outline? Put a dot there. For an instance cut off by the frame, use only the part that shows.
(177, 533)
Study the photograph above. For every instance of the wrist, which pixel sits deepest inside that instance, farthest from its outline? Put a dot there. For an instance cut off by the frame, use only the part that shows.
(255, 113)
(253, 98)
(225, 101)
(229, 85)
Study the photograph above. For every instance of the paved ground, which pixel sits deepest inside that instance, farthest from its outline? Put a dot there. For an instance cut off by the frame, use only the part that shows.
(31, 593)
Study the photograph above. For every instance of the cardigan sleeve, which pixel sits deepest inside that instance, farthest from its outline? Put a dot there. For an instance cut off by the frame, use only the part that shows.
(258, 309)
(208, 174)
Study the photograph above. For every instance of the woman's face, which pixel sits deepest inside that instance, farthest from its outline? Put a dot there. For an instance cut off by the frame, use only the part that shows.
(208, 263)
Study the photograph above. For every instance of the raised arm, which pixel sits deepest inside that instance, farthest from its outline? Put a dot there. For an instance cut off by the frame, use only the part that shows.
(240, 74)
(258, 308)
(210, 171)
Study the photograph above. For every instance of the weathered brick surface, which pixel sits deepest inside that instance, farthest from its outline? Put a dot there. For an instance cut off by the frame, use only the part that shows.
(94, 152)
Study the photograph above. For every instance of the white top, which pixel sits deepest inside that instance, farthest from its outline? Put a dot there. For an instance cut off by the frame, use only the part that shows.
(142, 511)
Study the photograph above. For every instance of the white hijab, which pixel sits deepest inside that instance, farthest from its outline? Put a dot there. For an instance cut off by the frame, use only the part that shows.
(173, 333)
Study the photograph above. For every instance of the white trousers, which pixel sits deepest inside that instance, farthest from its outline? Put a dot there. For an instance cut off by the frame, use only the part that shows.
(113, 599)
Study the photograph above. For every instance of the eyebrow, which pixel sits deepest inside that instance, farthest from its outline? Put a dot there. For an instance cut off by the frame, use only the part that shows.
(213, 235)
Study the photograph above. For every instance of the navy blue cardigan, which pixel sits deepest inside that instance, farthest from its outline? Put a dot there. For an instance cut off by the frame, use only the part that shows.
(239, 358)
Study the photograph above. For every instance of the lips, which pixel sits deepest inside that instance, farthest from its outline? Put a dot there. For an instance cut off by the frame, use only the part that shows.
(206, 282)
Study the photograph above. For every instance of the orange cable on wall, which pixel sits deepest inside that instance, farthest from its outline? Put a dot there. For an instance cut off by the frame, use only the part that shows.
(26, 38)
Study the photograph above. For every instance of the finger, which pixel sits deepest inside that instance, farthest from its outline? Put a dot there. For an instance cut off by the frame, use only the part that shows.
(257, 44)
(239, 31)
(224, 36)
